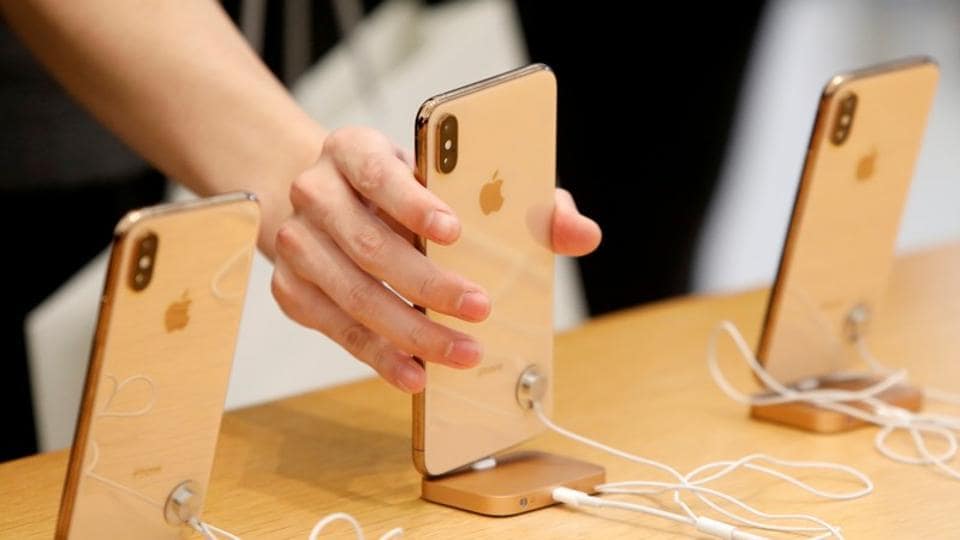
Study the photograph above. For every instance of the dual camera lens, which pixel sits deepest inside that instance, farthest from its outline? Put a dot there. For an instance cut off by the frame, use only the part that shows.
(843, 123)
(447, 144)
(144, 259)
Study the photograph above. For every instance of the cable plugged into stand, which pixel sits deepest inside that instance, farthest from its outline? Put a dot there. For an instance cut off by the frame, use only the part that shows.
(182, 506)
(695, 483)
(863, 404)
(718, 529)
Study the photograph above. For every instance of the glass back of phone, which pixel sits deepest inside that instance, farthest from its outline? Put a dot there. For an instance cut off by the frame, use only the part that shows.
(502, 189)
(161, 363)
(842, 235)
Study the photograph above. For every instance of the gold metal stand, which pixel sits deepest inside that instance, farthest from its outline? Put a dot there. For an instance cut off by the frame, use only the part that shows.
(520, 482)
(812, 418)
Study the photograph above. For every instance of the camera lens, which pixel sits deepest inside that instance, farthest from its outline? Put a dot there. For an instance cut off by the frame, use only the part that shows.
(849, 103)
(143, 261)
(844, 119)
(447, 151)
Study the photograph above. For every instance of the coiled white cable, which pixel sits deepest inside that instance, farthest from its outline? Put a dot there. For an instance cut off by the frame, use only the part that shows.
(210, 532)
(357, 529)
(694, 483)
(861, 404)
(877, 366)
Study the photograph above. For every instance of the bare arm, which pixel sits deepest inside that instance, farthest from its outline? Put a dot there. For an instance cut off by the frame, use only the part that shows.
(179, 84)
(177, 81)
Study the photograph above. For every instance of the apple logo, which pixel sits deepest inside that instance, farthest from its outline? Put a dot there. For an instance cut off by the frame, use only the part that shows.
(177, 315)
(490, 197)
(866, 165)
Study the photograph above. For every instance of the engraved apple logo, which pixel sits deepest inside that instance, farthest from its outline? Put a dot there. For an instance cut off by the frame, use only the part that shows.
(866, 165)
(178, 315)
(491, 199)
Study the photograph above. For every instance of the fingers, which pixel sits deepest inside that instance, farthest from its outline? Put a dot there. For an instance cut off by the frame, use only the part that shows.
(369, 162)
(331, 206)
(407, 157)
(355, 213)
(306, 304)
(315, 258)
(573, 233)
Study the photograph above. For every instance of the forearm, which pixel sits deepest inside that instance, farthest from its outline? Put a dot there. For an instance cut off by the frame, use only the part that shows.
(176, 80)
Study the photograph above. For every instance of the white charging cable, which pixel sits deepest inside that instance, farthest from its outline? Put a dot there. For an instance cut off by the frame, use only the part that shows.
(877, 366)
(695, 483)
(396, 532)
(703, 524)
(210, 532)
(860, 404)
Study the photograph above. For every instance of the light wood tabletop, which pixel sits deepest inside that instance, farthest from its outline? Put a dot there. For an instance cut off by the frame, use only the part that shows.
(636, 380)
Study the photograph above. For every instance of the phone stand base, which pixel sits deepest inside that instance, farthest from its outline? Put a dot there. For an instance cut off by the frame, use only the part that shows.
(812, 418)
(520, 482)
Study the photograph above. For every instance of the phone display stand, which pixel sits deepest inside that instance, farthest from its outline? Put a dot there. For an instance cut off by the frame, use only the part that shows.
(812, 418)
(519, 482)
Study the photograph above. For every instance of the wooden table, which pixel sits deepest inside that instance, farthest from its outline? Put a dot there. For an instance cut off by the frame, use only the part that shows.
(635, 379)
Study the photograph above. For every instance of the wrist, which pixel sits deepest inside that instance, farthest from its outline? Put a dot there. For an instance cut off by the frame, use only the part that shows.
(273, 190)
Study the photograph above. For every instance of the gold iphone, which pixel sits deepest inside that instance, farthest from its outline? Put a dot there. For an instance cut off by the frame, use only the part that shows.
(489, 151)
(159, 368)
(840, 244)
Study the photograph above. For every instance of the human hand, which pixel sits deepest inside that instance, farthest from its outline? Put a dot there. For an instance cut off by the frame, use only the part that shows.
(354, 214)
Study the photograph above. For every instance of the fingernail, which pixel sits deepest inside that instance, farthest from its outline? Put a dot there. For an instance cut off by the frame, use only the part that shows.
(474, 305)
(410, 378)
(442, 227)
(464, 352)
(568, 197)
